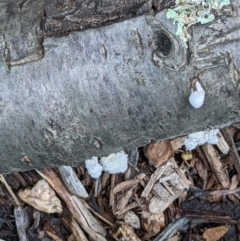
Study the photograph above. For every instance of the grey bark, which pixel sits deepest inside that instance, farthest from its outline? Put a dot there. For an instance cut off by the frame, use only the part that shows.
(67, 96)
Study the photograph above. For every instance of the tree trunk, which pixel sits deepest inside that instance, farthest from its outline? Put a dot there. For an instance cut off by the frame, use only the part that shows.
(67, 95)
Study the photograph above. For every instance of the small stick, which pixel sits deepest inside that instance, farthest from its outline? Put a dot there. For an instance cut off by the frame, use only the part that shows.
(154, 177)
(98, 215)
(14, 197)
(75, 206)
(172, 229)
(215, 193)
(216, 165)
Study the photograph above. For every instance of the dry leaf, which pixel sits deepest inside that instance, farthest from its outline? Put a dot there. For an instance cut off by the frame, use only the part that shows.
(132, 219)
(214, 234)
(42, 197)
(159, 153)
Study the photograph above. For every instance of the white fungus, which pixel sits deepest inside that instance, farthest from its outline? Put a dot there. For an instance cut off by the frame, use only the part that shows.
(115, 163)
(200, 138)
(197, 97)
(93, 167)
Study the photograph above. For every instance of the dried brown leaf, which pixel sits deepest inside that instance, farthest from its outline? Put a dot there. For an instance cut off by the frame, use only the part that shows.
(214, 234)
(159, 153)
(42, 197)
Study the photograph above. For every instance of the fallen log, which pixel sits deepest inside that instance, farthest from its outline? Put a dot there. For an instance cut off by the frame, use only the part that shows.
(67, 96)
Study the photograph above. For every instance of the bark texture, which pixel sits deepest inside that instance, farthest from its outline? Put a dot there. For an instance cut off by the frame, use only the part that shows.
(102, 90)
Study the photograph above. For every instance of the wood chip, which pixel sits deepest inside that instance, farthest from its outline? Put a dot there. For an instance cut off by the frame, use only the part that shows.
(126, 232)
(53, 236)
(123, 201)
(202, 171)
(112, 197)
(77, 231)
(42, 197)
(129, 183)
(71, 238)
(159, 153)
(234, 182)
(22, 221)
(132, 219)
(222, 144)
(178, 143)
(154, 177)
(216, 165)
(133, 157)
(163, 199)
(214, 234)
(152, 223)
(72, 182)
(228, 135)
(78, 210)
(127, 208)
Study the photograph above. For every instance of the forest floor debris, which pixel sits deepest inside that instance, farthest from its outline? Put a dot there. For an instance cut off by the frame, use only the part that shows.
(166, 193)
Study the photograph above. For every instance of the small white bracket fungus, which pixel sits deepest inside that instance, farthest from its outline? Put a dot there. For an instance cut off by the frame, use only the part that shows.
(93, 167)
(200, 138)
(197, 96)
(115, 162)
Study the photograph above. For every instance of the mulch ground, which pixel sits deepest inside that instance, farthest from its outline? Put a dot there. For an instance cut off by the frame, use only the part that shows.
(166, 193)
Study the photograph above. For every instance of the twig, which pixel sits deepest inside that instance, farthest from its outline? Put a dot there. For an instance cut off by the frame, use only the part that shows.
(98, 215)
(75, 205)
(214, 161)
(215, 193)
(129, 183)
(154, 177)
(172, 229)
(14, 197)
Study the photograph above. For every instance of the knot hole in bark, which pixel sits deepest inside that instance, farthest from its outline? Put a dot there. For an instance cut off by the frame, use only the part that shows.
(163, 44)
